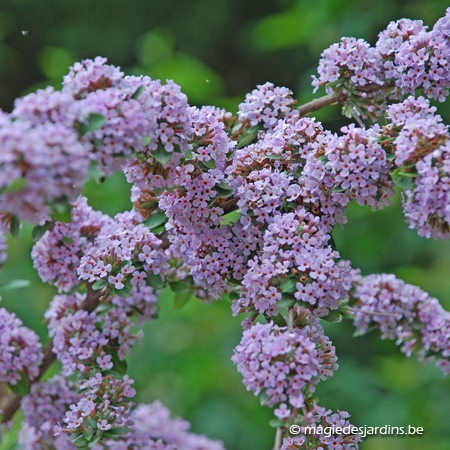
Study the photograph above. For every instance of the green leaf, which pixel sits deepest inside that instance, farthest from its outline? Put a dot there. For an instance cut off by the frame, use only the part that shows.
(161, 155)
(124, 292)
(286, 303)
(277, 423)
(138, 92)
(289, 286)
(149, 205)
(277, 320)
(94, 122)
(100, 284)
(390, 156)
(179, 286)
(97, 438)
(21, 388)
(119, 365)
(225, 193)
(146, 140)
(211, 164)
(74, 436)
(156, 220)
(274, 157)
(154, 280)
(120, 430)
(357, 333)
(14, 284)
(333, 316)
(39, 231)
(224, 186)
(14, 227)
(16, 185)
(247, 139)
(403, 179)
(234, 296)
(92, 422)
(81, 442)
(182, 299)
(263, 398)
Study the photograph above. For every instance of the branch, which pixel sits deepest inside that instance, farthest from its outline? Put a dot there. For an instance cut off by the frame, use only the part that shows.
(338, 97)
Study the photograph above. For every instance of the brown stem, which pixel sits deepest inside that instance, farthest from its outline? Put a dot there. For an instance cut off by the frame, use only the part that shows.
(338, 97)
(278, 439)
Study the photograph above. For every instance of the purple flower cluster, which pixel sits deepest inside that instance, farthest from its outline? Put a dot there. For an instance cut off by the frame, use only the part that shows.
(3, 246)
(284, 366)
(167, 141)
(359, 168)
(405, 313)
(194, 208)
(421, 145)
(43, 408)
(322, 434)
(20, 350)
(352, 62)
(154, 429)
(103, 405)
(296, 259)
(80, 338)
(266, 104)
(39, 165)
(56, 256)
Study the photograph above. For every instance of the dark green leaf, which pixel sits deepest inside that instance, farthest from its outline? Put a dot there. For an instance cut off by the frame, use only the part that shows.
(93, 442)
(138, 92)
(211, 164)
(148, 205)
(333, 316)
(81, 442)
(179, 286)
(156, 220)
(92, 422)
(14, 284)
(94, 122)
(274, 157)
(247, 139)
(119, 431)
(119, 365)
(224, 186)
(100, 284)
(286, 303)
(14, 227)
(16, 185)
(233, 295)
(161, 155)
(263, 398)
(39, 231)
(21, 388)
(277, 320)
(74, 436)
(124, 292)
(289, 286)
(390, 156)
(155, 280)
(181, 299)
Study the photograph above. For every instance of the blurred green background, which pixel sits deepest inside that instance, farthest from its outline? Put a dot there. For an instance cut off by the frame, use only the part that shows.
(217, 51)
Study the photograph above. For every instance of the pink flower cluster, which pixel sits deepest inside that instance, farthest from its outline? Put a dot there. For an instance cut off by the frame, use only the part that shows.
(20, 350)
(403, 313)
(282, 366)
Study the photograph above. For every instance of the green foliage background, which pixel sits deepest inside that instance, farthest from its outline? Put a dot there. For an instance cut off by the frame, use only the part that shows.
(217, 51)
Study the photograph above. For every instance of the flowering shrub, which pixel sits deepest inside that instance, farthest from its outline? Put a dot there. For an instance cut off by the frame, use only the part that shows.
(288, 182)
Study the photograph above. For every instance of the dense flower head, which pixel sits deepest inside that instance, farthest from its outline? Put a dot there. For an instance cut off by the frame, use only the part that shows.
(153, 428)
(195, 207)
(266, 104)
(48, 105)
(324, 430)
(103, 406)
(404, 313)
(280, 364)
(421, 146)
(168, 138)
(414, 57)
(39, 165)
(43, 408)
(91, 75)
(297, 261)
(353, 61)
(80, 338)
(20, 350)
